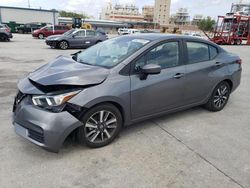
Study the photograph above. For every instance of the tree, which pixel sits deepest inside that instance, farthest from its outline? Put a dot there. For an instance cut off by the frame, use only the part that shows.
(206, 24)
(72, 14)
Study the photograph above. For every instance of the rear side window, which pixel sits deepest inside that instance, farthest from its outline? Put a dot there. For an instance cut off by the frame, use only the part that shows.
(197, 52)
(213, 52)
(90, 33)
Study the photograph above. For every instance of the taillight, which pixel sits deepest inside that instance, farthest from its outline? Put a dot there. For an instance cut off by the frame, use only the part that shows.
(239, 61)
(7, 30)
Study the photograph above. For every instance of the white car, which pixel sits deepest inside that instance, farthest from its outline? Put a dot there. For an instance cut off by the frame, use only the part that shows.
(123, 31)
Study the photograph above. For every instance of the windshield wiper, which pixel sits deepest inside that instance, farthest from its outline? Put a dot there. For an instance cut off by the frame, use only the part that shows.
(86, 63)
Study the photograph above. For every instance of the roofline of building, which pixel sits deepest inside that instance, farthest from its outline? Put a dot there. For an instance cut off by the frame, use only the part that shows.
(32, 9)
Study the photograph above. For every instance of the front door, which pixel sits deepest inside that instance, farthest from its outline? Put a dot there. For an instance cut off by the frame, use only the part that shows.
(162, 92)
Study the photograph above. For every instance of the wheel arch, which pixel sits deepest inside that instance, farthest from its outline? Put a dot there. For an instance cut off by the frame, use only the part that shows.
(229, 82)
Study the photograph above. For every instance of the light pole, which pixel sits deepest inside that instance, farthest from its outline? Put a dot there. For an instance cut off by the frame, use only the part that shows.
(29, 3)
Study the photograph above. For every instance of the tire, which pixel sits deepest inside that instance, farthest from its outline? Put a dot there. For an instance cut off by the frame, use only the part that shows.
(41, 36)
(63, 45)
(238, 42)
(3, 37)
(20, 31)
(219, 97)
(232, 42)
(98, 41)
(96, 133)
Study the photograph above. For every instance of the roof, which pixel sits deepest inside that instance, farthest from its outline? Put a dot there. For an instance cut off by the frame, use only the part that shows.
(31, 9)
(161, 36)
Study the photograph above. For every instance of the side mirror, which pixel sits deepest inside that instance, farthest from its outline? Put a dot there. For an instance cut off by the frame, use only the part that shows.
(73, 36)
(150, 69)
(75, 55)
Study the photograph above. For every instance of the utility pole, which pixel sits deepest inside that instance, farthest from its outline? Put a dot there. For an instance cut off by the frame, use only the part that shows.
(29, 3)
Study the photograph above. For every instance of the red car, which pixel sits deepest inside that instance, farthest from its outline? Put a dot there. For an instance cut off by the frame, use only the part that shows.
(50, 30)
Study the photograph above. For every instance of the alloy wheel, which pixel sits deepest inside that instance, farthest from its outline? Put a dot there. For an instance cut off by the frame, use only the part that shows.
(221, 96)
(100, 127)
(63, 45)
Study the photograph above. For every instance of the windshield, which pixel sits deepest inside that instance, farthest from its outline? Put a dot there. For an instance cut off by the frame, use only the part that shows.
(69, 32)
(111, 52)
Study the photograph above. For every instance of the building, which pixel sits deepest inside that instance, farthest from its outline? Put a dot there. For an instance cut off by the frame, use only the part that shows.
(181, 17)
(162, 12)
(241, 7)
(148, 13)
(125, 13)
(27, 15)
(197, 18)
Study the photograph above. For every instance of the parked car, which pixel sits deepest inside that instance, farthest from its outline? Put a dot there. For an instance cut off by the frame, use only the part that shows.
(5, 33)
(28, 28)
(133, 31)
(50, 30)
(123, 31)
(76, 38)
(193, 34)
(119, 82)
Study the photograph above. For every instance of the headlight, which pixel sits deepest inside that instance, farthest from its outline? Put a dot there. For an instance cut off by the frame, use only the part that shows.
(53, 100)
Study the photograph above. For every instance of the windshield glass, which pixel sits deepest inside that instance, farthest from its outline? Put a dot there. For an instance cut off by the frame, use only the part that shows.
(69, 32)
(111, 52)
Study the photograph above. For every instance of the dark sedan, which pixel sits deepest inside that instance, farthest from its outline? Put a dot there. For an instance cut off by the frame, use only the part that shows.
(76, 38)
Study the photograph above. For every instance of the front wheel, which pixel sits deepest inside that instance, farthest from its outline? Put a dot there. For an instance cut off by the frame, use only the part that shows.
(63, 45)
(219, 97)
(101, 125)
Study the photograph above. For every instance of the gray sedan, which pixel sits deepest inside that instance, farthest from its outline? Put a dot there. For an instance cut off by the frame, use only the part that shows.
(76, 38)
(119, 82)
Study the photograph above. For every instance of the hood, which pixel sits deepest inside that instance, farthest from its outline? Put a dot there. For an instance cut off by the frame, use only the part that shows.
(53, 37)
(65, 71)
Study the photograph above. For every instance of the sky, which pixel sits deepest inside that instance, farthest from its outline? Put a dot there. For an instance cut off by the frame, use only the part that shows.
(93, 8)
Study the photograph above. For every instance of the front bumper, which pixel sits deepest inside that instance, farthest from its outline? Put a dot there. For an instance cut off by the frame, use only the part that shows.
(43, 128)
(35, 35)
(51, 43)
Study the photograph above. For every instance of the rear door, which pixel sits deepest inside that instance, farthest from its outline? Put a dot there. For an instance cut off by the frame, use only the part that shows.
(90, 38)
(161, 92)
(201, 64)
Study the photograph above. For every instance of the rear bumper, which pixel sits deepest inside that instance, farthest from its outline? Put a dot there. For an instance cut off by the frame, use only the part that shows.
(10, 35)
(236, 78)
(43, 128)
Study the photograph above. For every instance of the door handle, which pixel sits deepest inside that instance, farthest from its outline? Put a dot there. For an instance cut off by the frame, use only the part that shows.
(218, 64)
(178, 75)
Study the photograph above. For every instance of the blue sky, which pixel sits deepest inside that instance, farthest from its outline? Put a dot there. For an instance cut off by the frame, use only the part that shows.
(93, 7)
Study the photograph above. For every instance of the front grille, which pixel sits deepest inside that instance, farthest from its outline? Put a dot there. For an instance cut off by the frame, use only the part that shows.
(35, 135)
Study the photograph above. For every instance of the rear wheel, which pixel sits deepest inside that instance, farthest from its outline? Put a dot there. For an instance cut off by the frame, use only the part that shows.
(219, 97)
(238, 42)
(41, 36)
(3, 37)
(101, 125)
(20, 31)
(63, 45)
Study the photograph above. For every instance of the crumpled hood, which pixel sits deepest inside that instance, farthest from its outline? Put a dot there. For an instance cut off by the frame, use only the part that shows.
(65, 71)
(52, 37)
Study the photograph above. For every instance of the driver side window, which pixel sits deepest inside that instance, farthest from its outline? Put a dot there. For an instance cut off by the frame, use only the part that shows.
(166, 55)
